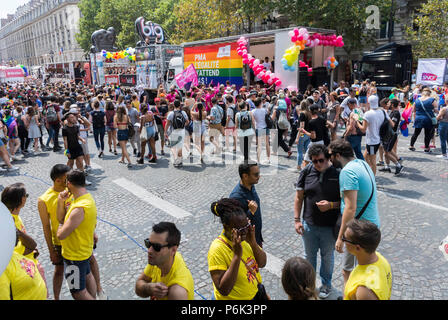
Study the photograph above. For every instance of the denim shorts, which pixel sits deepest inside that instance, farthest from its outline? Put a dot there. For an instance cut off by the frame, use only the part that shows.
(1, 143)
(262, 132)
(123, 135)
(362, 99)
(75, 273)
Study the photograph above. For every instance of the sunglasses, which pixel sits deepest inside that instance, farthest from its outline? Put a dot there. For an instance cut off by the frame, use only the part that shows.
(156, 246)
(349, 241)
(318, 160)
(243, 229)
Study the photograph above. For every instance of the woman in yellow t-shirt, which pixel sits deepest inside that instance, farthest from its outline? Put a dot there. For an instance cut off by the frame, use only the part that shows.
(234, 258)
(21, 280)
(14, 198)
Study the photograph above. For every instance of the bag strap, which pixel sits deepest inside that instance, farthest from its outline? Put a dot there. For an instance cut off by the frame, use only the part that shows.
(371, 195)
(424, 109)
(248, 269)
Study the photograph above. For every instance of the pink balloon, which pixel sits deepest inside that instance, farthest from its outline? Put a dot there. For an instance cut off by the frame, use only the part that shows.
(270, 81)
(316, 41)
(245, 56)
(291, 33)
(278, 83)
(302, 31)
(256, 62)
(272, 76)
(342, 43)
(296, 32)
(245, 61)
(294, 38)
(305, 36)
(299, 38)
(310, 69)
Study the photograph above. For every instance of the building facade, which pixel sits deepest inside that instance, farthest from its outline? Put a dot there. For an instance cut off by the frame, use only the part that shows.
(40, 33)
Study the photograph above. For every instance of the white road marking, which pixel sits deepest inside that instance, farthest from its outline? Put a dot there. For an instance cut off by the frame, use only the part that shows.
(152, 199)
(95, 165)
(274, 265)
(434, 206)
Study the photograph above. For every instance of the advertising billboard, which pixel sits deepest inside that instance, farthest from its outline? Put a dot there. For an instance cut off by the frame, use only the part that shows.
(215, 63)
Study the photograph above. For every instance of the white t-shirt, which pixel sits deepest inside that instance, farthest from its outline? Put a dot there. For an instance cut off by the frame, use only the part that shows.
(375, 118)
(259, 116)
(267, 65)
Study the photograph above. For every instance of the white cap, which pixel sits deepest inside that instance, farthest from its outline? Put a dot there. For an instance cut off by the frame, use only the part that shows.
(373, 101)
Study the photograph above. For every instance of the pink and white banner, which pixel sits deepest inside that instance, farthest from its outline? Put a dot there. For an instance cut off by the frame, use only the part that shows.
(431, 72)
(188, 75)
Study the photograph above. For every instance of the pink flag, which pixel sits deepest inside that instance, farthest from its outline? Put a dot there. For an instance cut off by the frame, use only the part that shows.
(188, 75)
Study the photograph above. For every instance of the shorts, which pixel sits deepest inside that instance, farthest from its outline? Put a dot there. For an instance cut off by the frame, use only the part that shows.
(75, 273)
(110, 129)
(262, 132)
(58, 250)
(348, 261)
(75, 153)
(85, 147)
(123, 135)
(150, 132)
(372, 149)
(231, 132)
(1, 143)
(177, 138)
(161, 130)
(362, 99)
(214, 130)
(390, 145)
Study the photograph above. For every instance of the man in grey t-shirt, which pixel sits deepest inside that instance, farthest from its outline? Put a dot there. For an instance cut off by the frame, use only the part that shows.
(134, 116)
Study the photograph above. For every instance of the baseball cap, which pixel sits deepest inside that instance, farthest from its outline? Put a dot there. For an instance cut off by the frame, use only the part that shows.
(373, 101)
(351, 101)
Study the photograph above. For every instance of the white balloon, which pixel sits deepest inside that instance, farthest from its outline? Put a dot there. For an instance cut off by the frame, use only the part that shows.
(7, 237)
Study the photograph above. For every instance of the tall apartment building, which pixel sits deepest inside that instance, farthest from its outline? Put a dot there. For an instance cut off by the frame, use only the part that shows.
(41, 32)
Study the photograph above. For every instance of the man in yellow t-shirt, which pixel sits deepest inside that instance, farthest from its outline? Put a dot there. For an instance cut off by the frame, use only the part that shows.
(76, 232)
(47, 205)
(166, 277)
(372, 277)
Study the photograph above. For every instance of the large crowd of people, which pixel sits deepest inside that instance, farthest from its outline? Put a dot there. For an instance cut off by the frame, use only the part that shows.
(336, 195)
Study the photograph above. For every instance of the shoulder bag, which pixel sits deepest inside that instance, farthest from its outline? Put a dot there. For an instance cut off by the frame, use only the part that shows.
(337, 226)
(433, 119)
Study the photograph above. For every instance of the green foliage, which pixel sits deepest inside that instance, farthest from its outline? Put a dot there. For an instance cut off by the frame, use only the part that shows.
(347, 17)
(431, 37)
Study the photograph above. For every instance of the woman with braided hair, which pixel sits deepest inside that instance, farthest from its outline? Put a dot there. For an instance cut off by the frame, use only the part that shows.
(234, 257)
(299, 279)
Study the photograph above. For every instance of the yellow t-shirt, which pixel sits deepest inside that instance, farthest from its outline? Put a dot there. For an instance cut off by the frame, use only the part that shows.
(20, 248)
(136, 104)
(50, 197)
(179, 274)
(23, 278)
(219, 258)
(376, 277)
(78, 246)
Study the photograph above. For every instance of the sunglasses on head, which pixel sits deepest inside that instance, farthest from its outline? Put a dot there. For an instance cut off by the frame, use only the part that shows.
(349, 241)
(156, 246)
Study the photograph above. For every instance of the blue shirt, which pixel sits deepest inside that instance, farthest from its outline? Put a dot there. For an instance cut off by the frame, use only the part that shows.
(251, 104)
(357, 175)
(242, 194)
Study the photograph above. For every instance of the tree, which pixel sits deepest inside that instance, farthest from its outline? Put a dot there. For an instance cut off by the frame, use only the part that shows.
(347, 17)
(89, 10)
(429, 37)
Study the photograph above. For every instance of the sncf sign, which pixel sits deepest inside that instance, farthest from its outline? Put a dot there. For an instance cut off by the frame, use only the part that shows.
(429, 77)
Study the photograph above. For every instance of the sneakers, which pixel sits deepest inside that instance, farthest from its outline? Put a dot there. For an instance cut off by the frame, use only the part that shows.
(443, 156)
(88, 183)
(88, 168)
(101, 296)
(385, 169)
(2, 170)
(12, 168)
(398, 170)
(324, 292)
(140, 161)
(412, 148)
(100, 154)
(380, 163)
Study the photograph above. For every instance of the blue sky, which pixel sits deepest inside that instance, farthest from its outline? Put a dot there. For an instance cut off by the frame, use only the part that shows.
(10, 6)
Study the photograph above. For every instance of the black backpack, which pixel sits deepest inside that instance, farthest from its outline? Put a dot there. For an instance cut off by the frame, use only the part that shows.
(224, 116)
(269, 121)
(98, 119)
(386, 130)
(245, 121)
(178, 120)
